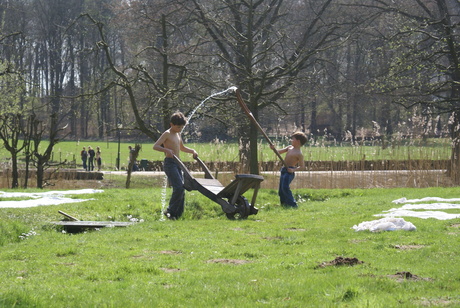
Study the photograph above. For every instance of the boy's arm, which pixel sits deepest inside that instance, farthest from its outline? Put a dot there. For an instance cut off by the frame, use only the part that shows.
(185, 149)
(158, 145)
(279, 151)
(301, 163)
(282, 151)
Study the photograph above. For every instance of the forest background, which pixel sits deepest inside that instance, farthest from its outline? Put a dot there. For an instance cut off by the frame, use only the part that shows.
(340, 70)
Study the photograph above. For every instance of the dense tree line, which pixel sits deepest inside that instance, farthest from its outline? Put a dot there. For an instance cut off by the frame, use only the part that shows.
(341, 69)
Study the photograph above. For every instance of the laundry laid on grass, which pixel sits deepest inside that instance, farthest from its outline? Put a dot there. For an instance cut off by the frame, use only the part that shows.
(411, 208)
(385, 224)
(42, 198)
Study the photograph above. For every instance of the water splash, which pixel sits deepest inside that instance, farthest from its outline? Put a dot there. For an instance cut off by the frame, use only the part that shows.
(231, 89)
(163, 198)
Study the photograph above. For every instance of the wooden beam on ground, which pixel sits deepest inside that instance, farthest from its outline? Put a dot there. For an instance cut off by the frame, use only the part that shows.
(68, 216)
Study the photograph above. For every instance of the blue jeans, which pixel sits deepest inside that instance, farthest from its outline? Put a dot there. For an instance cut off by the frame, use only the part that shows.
(176, 178)
(285, 193)
(90, 166)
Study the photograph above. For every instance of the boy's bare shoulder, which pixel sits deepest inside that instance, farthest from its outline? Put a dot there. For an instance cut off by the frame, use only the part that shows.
(166, 134)
(295, 151)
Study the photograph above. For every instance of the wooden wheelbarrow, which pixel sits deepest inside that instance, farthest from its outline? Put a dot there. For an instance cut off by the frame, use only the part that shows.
(230, 197)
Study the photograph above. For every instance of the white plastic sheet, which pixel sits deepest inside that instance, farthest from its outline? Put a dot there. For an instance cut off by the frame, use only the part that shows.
(411, 208)
(424, 215)
(385, 224)
(43, 198)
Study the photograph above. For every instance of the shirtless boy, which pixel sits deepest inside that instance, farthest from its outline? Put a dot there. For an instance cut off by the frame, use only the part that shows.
(294, 160)
(170, 143)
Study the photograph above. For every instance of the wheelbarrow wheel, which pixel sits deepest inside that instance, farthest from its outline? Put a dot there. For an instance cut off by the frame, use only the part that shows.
(242, 209)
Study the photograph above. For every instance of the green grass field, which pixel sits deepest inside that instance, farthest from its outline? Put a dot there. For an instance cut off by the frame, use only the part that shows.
(431, 149)
(204, 260)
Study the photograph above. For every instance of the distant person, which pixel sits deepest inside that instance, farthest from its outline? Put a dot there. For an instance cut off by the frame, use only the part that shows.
(170, 143)
(295, 161)
(91, 155)
(98, 158)
(84, 157)
(132, 159)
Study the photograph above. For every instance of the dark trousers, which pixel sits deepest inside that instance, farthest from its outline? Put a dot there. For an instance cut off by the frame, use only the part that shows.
(176, 178)
(91, 164)
(285, 193)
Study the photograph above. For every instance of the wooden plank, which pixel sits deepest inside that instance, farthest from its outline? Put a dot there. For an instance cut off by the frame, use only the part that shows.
(213, 185)
(68, 216)
(209, 182)
(244, 181)
(92, 224)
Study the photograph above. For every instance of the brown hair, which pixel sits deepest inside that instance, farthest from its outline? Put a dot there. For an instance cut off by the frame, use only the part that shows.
(300, 136)
(178, 119)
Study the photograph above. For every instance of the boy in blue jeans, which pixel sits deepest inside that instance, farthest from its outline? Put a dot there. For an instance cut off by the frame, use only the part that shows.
(294, 160)
(170, 143)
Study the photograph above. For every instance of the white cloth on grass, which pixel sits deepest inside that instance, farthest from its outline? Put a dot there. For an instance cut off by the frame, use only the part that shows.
(43, 198)
(385, 224)
(404, 200)
(424, 215)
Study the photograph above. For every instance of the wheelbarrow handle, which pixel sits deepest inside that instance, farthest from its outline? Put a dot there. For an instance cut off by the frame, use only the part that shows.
(254, 121)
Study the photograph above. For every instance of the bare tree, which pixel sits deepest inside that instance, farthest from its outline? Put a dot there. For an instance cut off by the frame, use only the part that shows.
(265, 46)
(157, 75)
(42, 160)
(132, 161)
(425, 67)
(11, 133)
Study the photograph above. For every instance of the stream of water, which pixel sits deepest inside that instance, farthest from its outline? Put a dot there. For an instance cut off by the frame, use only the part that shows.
(189, 118)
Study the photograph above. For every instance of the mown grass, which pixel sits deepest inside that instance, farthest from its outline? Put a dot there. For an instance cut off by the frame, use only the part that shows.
(205, 260)
(429, 149)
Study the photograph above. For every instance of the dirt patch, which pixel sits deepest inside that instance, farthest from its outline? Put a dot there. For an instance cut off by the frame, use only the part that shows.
(408, 247)
(229, 261)
(402, 276)
(339, 261)
(455, 226)
(170, 252)
(295, 229)
(355, 241)
(171, 270)
(438, 302)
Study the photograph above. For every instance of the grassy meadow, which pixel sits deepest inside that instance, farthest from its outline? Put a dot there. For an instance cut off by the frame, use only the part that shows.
(320, 150)
(277, 258)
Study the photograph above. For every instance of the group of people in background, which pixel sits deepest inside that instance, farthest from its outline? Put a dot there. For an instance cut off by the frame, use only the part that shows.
(89, 157)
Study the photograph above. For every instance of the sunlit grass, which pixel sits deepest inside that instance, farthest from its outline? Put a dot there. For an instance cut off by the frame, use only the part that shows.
(205, 260)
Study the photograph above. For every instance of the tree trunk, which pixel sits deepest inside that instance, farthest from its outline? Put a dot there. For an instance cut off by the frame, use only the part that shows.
(14, 171)
(455, 155)
(132, 160)
(40, 175)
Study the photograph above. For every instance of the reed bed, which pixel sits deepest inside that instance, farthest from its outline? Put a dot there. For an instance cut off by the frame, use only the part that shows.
(330, 164)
